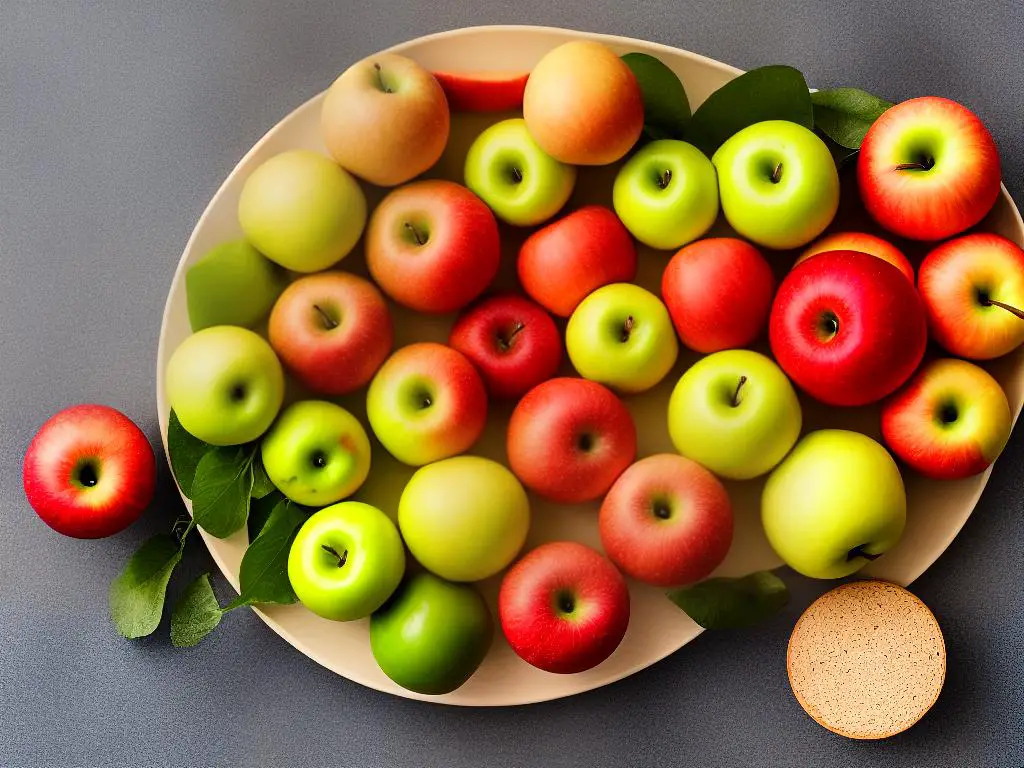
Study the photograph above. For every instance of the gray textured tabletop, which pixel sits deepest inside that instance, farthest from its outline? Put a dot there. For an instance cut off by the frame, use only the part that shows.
(116, 126)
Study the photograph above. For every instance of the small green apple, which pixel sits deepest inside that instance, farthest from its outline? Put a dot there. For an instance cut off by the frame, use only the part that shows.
(232, 284)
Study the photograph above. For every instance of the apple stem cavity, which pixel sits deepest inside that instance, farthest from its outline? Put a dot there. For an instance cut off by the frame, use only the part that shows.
(736, 393)
(627, 329)
(776, 176)
(505, 342)
(342, 558)
(417, 235)
(380, 78)
(329, 322)
(87, 476)
(664, 178)
(987, 302)
(856, 552)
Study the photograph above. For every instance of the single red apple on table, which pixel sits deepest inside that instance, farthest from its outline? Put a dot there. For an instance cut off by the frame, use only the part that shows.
(569, 439)
(89, 472)
(862, 242)
(483, 91)
(563, 607)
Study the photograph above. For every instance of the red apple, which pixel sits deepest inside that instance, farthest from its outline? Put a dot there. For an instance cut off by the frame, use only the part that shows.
(973, 293)
(847, 328)
(433, 246)
(483, 91)
(952, 420)
(513, 342)
(862, 242)
(667, 521)
(331, 331)
(928, 169)
(563, 607)
(89, 472)
(718, 292)
(569, 439)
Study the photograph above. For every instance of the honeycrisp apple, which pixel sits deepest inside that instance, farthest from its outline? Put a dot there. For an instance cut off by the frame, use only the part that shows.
(862, 242)
(483, 91)
(232, 284)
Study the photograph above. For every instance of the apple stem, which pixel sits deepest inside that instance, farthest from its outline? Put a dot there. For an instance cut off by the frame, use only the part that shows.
(517, 175)
(1012, 310)
(627, 328)
(342, 558)
(380, 78)
(329, 322)
(859, 552)
(922, 166)
(415, 233)
(506, 343)
(664, 178)
(736, 394)
(777, 174)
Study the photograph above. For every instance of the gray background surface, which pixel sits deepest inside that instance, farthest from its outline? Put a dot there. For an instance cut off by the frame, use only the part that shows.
(117, 124)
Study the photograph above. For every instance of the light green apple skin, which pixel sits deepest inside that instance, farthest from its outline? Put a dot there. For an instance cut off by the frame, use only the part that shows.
(837, 491)
(302, 210)
(737, 435)
(789, 212)
(374, 561)
(667, 210)
(232, 284)
(602, 350)
(504, 150)
(464, 518)
(225, 384)
(431, 636)
(316, 453)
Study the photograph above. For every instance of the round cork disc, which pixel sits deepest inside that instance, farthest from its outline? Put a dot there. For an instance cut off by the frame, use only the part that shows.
(867, 660)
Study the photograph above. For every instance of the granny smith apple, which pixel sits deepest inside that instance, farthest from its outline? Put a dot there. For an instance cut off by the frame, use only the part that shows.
(316, 453)
(431, 636)
(667, 194)
(621, 335)
(232, 284)
(735, 412)
(834, 504)
(778, 183)
(522, 184)
(226, 385)
(345, 561)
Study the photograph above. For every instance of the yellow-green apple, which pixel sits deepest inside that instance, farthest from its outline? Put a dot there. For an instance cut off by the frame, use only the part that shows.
(89, 472)
(621, 335)
(225, 384)
(950, 421)
(735, 412)
(667, 521)
(232, 284)
(431, 636)
(563, 607)
(862, 242)
(345, 561)
(778, 183)
(666, 194)
(302, 210)
(928, 169)
(563, 263)
(973, 293)
(433, 246)
(385, 119)
(836, 503)
(316, 453)
(718, 292)
(513, 343)
(331, 331)
(483, 91)
(569, 439)
(427, 402)
(464, 518)
(521, 183)
(847, 328)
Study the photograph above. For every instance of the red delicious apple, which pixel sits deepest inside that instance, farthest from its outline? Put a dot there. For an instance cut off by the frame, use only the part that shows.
(862, 242)
(569, 439)
(331, 331)
(513, 342)
(928, 169)
(89, 472)
(483, 91)
(561, 264)
(433, 246)
(563, 607)
(667, 521)
(718, 292)
(847, 328)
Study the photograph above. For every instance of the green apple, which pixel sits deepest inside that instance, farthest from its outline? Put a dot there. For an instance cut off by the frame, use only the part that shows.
(621, 335)
(232, 284)
(302, 210)
(431, 636)
(667, 194)
(225, 384)
(509, 171)
(735, 412)
(464, 518)
(316, 453)
(834, 504)
(778, 183)
(345, 561)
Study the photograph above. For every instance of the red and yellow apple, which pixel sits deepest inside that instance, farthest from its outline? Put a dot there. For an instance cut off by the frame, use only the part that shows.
(863, 243)
(483, 91)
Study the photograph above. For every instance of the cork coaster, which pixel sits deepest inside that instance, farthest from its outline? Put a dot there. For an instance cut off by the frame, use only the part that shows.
(867, 660)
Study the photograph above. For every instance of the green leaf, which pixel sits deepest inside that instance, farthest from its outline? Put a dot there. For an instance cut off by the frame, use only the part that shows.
(220, 492)
(259, 512)
(196, 614)
(845, 114)
(263, 576)
(666, 108)
(185, 451)
(136, 596)
(725, 603)
(775, 92)
(261, 483)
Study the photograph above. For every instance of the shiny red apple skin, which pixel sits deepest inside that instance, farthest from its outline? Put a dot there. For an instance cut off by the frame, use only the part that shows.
(105, 498)
(483, 91)
(569, 440)
(881, 334)
(535, 593)
(863, 242)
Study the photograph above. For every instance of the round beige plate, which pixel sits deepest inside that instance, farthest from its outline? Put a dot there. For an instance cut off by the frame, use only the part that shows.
(657, 628)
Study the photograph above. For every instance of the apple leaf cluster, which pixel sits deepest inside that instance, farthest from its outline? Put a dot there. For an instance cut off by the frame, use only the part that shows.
(666, 107)
(733, 603)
